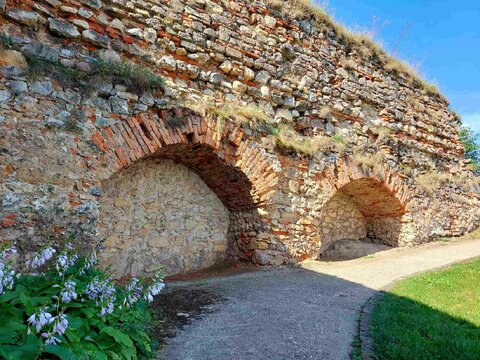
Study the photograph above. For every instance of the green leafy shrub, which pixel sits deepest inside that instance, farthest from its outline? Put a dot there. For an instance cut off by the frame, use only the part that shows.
(472, 149)
(72, 309)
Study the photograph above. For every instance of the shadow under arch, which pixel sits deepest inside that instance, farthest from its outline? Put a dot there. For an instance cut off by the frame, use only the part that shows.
(366, 205)
(236, 169)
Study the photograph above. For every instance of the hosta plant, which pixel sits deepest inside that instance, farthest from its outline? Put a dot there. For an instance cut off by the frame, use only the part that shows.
(64, 306)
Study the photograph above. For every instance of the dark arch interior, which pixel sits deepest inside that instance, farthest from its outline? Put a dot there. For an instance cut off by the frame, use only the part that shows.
(230, 184)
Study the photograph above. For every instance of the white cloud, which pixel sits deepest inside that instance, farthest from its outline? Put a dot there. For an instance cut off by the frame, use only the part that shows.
(472, 120)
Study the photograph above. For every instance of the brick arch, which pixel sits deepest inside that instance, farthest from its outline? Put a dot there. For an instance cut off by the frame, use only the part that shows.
(362, 204)
(242, 174)
(350, 177)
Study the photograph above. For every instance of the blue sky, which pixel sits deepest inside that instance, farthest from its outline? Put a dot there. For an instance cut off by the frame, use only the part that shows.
(441, 37)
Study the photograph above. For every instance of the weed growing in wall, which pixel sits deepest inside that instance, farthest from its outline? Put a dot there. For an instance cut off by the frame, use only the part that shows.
(369, 162)
(291, 140)
(241, 114)
(432, 181)
(136, 78)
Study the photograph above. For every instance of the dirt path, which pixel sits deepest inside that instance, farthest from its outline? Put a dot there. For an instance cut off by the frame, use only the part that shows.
(303, 313)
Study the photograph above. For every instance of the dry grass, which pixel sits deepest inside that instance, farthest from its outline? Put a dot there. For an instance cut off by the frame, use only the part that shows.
(241, 114)
(325, 112)
(369, 162)
(360, 41)
(383, 130)
(469, 183)
(288, 138)
(13, 58)
(407, 170)
(432, 181)
(470, 236)
(348, 64)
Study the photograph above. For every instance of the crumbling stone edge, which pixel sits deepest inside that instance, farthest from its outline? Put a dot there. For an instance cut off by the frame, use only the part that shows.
(363, 325)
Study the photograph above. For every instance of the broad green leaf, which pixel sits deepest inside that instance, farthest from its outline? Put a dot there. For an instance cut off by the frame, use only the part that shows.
(25, 300)
(60, 351)
(119, 336)
(28, 350)
(11, 325)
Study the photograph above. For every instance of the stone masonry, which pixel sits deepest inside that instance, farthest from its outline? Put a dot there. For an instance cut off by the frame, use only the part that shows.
(163, 213)
(156, 180)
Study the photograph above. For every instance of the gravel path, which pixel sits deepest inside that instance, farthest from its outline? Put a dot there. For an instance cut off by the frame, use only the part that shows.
(302, 313)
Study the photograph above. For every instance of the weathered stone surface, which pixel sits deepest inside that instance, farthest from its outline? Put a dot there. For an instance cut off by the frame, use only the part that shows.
(30, 18)
(95, 4)
(262, 77)
(161, 222)
(95, 38)
(4, 96)
(168, 63)
(239, 87)
(248, 74)
(85, 13)
(63, 28)
(119, 106)
(82, 24)
(104, 122)
(226, 66)
(18, 86)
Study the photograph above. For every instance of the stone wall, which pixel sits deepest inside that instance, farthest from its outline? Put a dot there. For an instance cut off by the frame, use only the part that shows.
(341, 220)
(62, 144)
(159, 212)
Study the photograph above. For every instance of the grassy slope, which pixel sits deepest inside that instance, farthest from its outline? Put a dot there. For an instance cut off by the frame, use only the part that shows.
(470, 236)
(431, 316)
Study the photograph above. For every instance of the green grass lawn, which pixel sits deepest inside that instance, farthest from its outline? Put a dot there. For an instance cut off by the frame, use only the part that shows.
(431, 316)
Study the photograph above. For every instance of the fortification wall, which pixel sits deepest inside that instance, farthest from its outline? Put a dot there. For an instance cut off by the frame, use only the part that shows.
(274, 114)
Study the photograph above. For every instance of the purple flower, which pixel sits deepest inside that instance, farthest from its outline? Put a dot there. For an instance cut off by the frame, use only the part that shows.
(41, 319)
(90, 262)
(44, 319)
(134, 292)
(50, 339)
(68, 292)
(7, 277)
(60, 324)
(103, 292)
(40, 258)
(65, 260)
(7, 252)
(155, 287)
